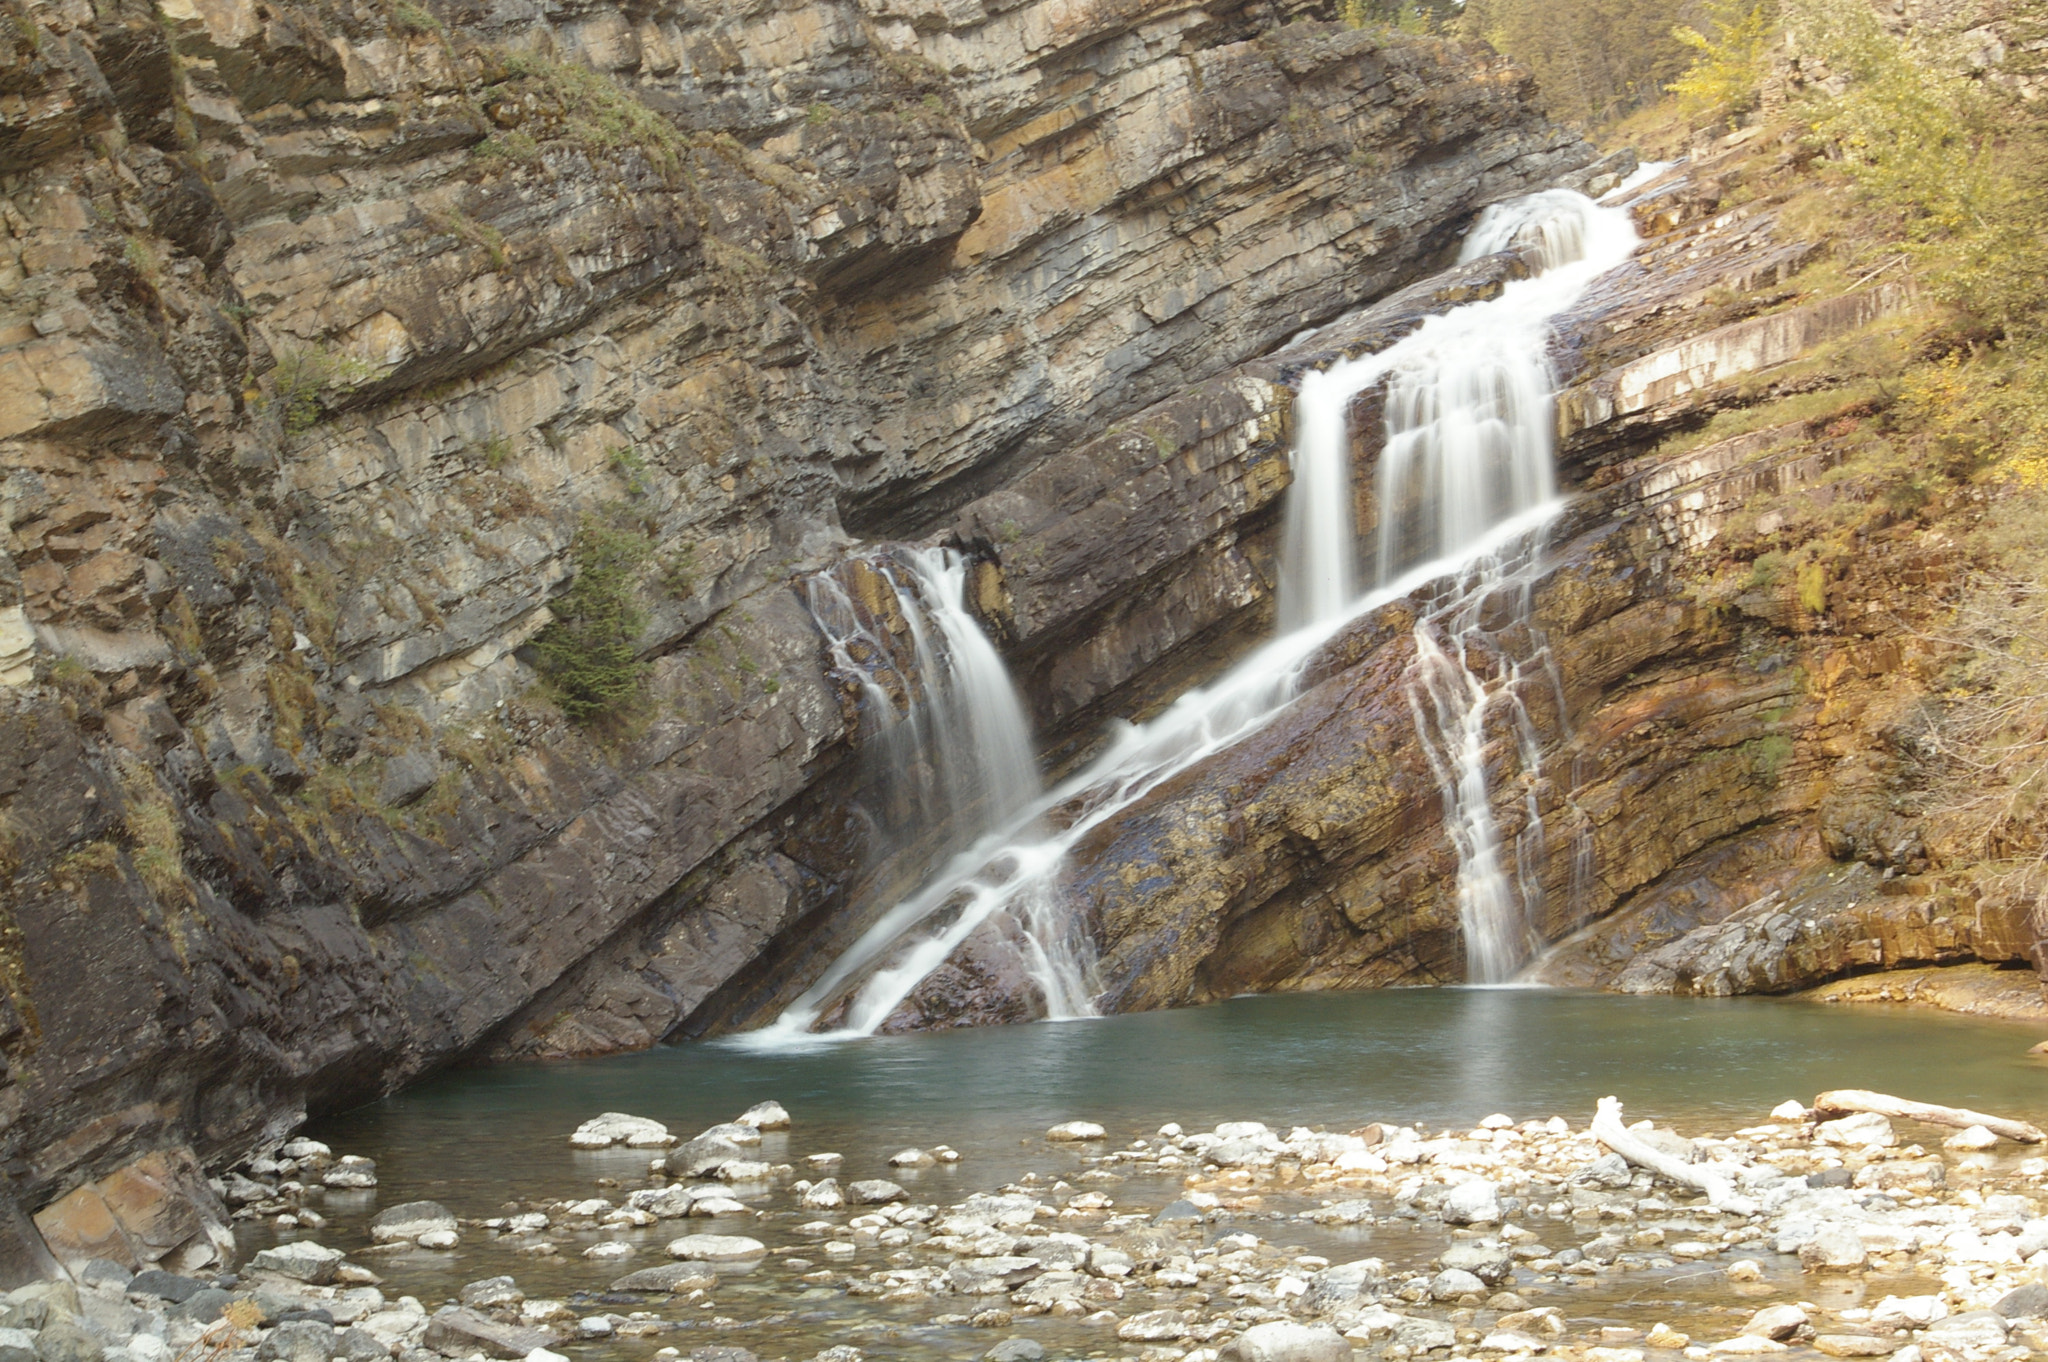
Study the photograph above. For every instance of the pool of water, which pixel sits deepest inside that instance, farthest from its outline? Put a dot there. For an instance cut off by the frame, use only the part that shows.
(476, 1139)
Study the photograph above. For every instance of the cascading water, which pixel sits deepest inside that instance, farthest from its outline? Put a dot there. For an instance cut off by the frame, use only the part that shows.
(1469, 451)
(1469, 492)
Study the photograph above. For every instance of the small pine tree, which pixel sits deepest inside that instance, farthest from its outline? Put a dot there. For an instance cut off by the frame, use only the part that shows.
(588, 656)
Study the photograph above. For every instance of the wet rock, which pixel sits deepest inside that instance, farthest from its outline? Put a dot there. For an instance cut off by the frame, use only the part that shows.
(302, 1340)
(1076, 1132)
(455, 1331)
(873, 1192)
(734, 1132)
(765, 1116)
(618, 1128)
(1913, 1311)
(722, 1353)
(491, 1293)
(1508, 1341)
(672, 1277)
(301, 1260)
(1284, 1341)
(410, 1221)
(823, 1195)
(1971, 1137)
(716, 1248)
(1015, 1350)
(913, 1158)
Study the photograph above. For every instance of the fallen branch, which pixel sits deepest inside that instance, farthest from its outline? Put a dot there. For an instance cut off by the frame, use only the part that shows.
(1847, 1101)
(1719, 1188)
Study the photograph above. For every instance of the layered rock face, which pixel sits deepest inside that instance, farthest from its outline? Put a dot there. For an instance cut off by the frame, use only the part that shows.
(332, 331)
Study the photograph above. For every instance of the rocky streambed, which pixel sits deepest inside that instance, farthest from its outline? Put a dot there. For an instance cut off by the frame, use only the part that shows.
(1516, 1235)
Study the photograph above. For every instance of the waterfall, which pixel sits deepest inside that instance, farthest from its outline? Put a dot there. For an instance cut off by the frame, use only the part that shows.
(1473, 490)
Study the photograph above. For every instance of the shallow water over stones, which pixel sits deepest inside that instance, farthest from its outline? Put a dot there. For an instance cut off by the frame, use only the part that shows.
(478, 1140)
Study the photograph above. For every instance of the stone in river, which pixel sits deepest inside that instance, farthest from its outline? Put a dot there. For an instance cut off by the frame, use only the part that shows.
(674, 1277)
(718, 1205)
(302, 1260)
(438, 1239)
(2024, 1302)
(490, 1291)
(1508, 1341)
(744, 1170)
(765, 1116)
(823, 1195)
(306, 1149)
(703, 1156)
(873, 1192)
(616, 1127)
(1856, 1345)
(1154, 1326)
(1971, 1137)
(1074, 1131)
(410, 1221)
(1285, 1341)
(722, 1353)
(716, 1248)
(1452, 1283)
(911, 1158)
(609, 1250)
(991, 1276)
(1015, 1350)
(1424, 1335)
(1338, 1213)
(1833, 1250)
(1775, 1321)
(351, 1174)
(1472, 1203)
(1914, 1311)
(1789, 1110)
(458, 1332)
(301, 1340)
(1489, 1262)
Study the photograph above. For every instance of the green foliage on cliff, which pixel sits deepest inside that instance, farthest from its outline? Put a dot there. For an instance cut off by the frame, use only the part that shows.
(587, 656)
(1728, 69)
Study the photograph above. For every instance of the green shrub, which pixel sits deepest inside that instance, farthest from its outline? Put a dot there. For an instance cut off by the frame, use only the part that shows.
(587, 656)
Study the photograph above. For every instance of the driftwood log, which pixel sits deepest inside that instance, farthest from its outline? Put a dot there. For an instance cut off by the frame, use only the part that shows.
(1608, 1129)
(1848, 1101)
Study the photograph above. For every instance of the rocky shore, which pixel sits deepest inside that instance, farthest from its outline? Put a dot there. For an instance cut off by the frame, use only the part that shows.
(1848, 1237)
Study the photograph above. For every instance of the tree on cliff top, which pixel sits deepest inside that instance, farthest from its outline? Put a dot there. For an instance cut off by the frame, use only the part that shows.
(1594, 60)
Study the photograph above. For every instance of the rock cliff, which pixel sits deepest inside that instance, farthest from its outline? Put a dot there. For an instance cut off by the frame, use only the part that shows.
(335, 332)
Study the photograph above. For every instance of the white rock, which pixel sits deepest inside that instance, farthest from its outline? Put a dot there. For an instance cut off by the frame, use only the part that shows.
(1915, 1312)
(1286, 1341)
(306, 1149)
(1745, 1345)
(1497, 1121)
(543, 1355)
(911, 1158)
(765, 1116)
(1864, 1130)
(1075, 1131)
(716, 1248)
(438, 1239)
(616, 1127)
(1472, 1203)
(1974, 1137)
(718, 1205)
(609, 1249)
(1789, 1111)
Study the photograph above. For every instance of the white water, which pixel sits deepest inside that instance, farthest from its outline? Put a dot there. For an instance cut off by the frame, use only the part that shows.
(1471, 494)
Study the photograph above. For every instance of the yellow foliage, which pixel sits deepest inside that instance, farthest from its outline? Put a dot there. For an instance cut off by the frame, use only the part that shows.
(1729, 69)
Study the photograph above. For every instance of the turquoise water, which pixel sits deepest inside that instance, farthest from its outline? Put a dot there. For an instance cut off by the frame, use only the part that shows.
(1438, 1056)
